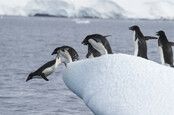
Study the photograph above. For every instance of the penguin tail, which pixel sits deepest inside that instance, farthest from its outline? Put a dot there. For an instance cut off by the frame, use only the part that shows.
(171, 43)
(30, 76)
(107, 36)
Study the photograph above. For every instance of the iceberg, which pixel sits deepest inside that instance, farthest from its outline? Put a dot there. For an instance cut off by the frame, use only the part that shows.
(121, 84)
(105, 9)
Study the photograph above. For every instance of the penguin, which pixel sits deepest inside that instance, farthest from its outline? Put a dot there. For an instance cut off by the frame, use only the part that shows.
(92, 52)
(165, 49)
(67, 52)
(99, 43)
(140, 42)
(46, 69)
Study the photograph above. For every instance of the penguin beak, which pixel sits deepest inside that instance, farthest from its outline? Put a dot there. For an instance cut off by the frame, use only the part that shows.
(157, 33)
(84, 43)
(29, 77)
(54, 52)
(130, 28)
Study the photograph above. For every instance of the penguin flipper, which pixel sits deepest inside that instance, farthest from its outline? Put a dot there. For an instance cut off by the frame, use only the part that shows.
(171, 43)
(44, 77)
(149, 37)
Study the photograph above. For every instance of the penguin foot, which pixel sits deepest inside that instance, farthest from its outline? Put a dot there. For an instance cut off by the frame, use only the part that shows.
(172, 66)
(64, 63)
(44, 77)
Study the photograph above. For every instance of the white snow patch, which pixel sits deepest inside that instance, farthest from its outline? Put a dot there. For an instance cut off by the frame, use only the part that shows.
(121, 84)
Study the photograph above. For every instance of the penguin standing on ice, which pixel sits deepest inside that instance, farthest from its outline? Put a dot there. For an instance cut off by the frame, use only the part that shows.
(46, 69)
(165, 49)
(67, 52)
(99, 43)
(140, 42)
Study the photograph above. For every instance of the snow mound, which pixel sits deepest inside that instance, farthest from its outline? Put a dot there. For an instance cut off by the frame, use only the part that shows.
(121, 84)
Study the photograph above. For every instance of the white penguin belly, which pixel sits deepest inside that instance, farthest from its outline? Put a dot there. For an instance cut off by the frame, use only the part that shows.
(98, 46)
(52, 68)
(66, 55)
(161, 54)
(49, 70)
(135, 45)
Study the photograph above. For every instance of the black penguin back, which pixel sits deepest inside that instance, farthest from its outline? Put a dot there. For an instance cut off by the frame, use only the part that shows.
(73, 53)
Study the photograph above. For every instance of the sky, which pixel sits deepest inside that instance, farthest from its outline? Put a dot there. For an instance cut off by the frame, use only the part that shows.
(12, 3)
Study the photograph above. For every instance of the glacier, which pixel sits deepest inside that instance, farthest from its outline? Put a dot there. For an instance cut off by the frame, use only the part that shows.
(105, 9)
(121, 84)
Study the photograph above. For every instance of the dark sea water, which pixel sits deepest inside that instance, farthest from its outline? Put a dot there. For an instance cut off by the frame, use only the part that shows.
(26, 43)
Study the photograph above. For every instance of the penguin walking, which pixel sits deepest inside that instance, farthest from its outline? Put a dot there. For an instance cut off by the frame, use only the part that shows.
(165, 48)
(67, 52)
(140, 42)
(99, 43)
(46, 69)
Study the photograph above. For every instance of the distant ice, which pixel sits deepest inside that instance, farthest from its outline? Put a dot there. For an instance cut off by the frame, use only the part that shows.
(121, 84)
(81, 21)
(134, 9)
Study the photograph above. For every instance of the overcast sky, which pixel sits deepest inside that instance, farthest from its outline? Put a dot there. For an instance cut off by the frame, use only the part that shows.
(13, 3)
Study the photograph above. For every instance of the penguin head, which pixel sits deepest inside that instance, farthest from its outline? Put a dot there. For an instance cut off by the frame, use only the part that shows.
(85, 41)
(94, 37)
(56, 51)
(134, 28)
(30, 76)
(160, 33)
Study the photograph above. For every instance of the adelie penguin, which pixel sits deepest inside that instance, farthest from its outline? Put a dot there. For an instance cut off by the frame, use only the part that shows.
(140, 42)
(67, 52)
(165, 49)
(46, 69)
(99, 43)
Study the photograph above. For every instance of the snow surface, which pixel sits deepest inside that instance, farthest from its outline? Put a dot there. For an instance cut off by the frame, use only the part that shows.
(121, 84)
(141, 9)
